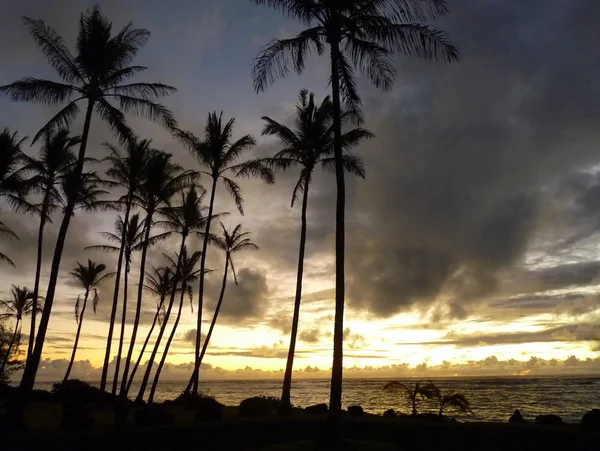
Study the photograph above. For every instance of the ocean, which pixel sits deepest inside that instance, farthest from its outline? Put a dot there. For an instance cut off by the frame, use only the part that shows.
(491, 399)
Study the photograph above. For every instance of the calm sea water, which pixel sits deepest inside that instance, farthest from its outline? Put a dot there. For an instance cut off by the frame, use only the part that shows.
(491, 399)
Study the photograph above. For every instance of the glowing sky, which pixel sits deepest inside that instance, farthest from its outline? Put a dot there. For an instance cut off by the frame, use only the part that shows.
(472, 245)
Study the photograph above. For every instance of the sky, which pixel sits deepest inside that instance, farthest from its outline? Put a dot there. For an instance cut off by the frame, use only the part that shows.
(471, 245)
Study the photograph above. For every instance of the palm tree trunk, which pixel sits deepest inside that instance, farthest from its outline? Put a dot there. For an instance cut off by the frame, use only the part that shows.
(123, 323)
(138, 308)
(193, 384)
(139, 360)
(33, 361)
(286, 404)
(167, 346)
(12, 342)
(38, 270)
(144, 384)
(113, 311)
(85, 299)
(335, 400)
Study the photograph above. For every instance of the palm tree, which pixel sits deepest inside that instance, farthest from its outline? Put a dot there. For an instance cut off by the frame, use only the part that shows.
(87, 278)
(95, 75)
(130, 237)
(161, 180)
(456, 400)
(19, 305)
(231, 242)
(126, 171)
(159, 283)
(183, 219)
(420, 391)
(187, 275)
(220, 156)
(56, 158)
(360, 35)
(309, 145)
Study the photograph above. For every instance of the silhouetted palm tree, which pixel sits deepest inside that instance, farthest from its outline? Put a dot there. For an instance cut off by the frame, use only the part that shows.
(309, 145)
(231, 242)
(126, 170)
(56, 158)
(88, 278)
(96, 74)
(187, 275)
(360, 35)
(456, 400)
(19, 305)
(160, 283)
(161, 180)
(421, 390)
(220, 156)
(184, 219)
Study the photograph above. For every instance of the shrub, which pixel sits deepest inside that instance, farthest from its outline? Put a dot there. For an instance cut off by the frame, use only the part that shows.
(208, 409)
(81, 392)
(259, 406)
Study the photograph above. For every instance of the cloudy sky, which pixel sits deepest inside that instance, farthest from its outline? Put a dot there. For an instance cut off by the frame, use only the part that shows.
(471, 246)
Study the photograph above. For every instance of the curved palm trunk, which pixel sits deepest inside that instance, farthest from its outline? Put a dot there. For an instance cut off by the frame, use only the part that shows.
(335, 400)
(33, 361)
(139, 360)
(144, 384)
(138, 307)
(123, 323)
(113, 310)
(193, 383)
(85, 299)
(286, 404)
(12, 343)
(38, 271)
(167, 346)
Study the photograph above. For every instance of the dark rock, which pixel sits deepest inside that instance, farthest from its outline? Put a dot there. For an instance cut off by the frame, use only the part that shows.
(208, 409)
(516, 418)
(390, 413)
(428, 417)
(591, 420)
(153, 416)
(549, 420)
(76, 417)
(355, 411)
(317, 409)
(258, 406)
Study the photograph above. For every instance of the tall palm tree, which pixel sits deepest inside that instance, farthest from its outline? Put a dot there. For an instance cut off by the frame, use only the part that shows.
(309, 145)
(19, 305)
(187, 275)
(126, 170)
(87, 278)
(131, 235)
(161, 180)
(97, 75)
(360, 35)
(160, 283)
(231, 242)
(56, 158)
(184, 219)
(220, 156)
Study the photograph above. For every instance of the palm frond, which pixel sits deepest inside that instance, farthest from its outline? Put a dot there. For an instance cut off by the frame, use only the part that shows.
(61, 119)
(235, 191)
(34, 90)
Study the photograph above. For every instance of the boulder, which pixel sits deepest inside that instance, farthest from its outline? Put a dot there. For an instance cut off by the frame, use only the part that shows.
(258, 406)
(390, 413)
(152, 417)
(516, 418)
(591, 420)
(76, 417)
(549, 420)
(208, 409)
(317, 409)
(355, 411)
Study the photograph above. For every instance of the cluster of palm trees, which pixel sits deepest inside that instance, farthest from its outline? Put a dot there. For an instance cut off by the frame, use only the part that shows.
(159, 195)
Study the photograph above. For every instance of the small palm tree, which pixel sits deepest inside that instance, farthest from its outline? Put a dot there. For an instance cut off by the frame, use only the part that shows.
(454, 400)
(19, 305)
(421, 390)
(309, 145)
(160, 284)
(187, 275)
(88, 278)
(97, 74)
(56, 159)
(127, 166)
(220, 156)
(360, 35)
